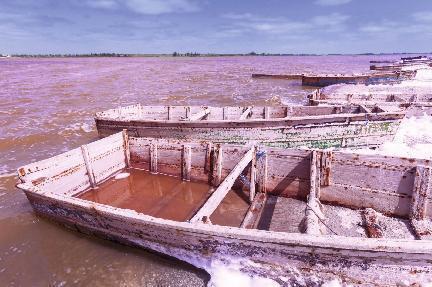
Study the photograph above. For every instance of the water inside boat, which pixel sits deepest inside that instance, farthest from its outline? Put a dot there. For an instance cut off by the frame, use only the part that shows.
(166, 197)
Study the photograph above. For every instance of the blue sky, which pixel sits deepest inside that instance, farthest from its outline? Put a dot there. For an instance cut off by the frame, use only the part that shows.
(216, 26)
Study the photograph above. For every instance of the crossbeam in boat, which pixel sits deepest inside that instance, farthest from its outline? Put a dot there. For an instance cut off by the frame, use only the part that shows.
(246, 113)
(198, 116)
(216, 198)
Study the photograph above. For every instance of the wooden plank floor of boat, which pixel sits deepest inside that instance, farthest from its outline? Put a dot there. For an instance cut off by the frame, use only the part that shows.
(286, 215)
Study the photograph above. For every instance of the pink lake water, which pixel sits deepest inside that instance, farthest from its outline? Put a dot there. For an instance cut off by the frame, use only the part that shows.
(47, 107)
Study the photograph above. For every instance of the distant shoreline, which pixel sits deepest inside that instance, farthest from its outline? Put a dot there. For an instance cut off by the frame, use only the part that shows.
(175, 54)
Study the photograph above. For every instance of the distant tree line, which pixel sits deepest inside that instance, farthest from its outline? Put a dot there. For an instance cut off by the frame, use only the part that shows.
(189, 54)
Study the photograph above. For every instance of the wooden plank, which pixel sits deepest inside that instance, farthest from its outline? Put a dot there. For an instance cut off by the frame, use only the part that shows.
(188, 112)
(266, 112)
(217, 162)
(370, 218)
(126, 148)
(364, 109)
(88, 165)
(252, 187)
(198, 116)
(326, 168)
(153, 157)
(421, 191)
(314, 214)
(253, 214)
(216, 198)
(186, 162)
(208, 155)
(246, 113)
(261, 170)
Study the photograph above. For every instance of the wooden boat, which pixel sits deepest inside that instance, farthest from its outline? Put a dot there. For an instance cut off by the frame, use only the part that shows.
(323, 80)
(284, 126)
(311, 215)
(384, 101)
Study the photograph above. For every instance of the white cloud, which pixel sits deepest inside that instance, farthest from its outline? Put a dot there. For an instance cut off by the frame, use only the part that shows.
(331, 2)
(334, 19)
(425, 16)
(284, 26)
(156, 7)
(106, 4)
(149, 7)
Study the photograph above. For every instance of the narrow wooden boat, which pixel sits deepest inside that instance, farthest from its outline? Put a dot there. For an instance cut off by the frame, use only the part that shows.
(323, 80)
(308, 216)
(284, 126)
(421, 97)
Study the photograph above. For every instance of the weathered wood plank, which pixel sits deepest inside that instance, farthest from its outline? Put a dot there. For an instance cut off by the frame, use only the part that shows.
(88, 166)
(126, 148)
(421, 191)
(266, 113)
(208, 155)
(261, 171)
(216, 198)
(198, 116)
(217, 162)
(246, 113)
(326, 168)
(253, 214)
(153, 157)
(252, 187)
(365, 109)
(370, 220)
(186, 162)
(314, 214)
(419, 203)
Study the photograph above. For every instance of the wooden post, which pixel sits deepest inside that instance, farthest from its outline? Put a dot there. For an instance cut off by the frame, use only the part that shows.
(208, 158)
(261, 177)
(126, 148)
(188, 112)
(313, 214)
(224, 117)
(186, 162)
(253, 176)
(326, 168)
(421, 192)
(153, 157)
(216, 198)
(169, 112)
(266, 112)
(89, 168)
(218, 161)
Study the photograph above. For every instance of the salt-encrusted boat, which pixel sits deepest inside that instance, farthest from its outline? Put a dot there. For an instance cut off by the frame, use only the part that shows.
(283, 126)
(309, 216)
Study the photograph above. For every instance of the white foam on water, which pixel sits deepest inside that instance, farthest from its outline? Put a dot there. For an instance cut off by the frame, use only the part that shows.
(223, 274)
(122, 175)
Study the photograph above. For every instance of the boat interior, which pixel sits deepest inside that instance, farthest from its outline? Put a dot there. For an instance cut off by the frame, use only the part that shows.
(194, 113)
(318, 192)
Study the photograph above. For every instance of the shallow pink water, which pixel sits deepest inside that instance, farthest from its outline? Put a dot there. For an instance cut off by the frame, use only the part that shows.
(46, 107)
